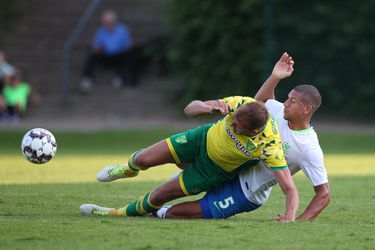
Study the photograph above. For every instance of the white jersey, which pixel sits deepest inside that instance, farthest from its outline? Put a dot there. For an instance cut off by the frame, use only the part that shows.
(302, 151)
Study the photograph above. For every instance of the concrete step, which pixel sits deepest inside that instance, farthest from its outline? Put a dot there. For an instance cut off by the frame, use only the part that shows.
(150, 97)
(36, 44)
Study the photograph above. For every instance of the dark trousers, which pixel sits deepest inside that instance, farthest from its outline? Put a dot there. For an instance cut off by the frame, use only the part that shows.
(120, 63)
(114, 62)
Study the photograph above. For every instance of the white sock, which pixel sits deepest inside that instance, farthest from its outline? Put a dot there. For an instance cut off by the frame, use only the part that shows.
(162, 212)
(175, 175)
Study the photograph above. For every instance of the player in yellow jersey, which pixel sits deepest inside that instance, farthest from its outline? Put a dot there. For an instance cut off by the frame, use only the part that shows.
(302, 151)
(215, 153)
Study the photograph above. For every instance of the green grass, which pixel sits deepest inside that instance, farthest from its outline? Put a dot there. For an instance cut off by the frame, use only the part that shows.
(107, 142)
(39, 205)
(118, 142)
(46, 216)
(344, 143)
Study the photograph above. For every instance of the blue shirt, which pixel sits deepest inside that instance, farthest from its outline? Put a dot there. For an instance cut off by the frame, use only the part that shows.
(113, 41)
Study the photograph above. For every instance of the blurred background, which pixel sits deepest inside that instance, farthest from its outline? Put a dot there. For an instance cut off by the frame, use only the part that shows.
(184, 50)
(176, 51)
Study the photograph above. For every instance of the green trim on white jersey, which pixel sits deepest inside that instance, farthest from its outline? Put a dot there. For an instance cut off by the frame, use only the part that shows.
(303, 131)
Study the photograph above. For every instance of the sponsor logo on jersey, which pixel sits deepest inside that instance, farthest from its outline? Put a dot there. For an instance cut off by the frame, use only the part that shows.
(182, 139)
(250, 146)
(286, 146)
(239, 145)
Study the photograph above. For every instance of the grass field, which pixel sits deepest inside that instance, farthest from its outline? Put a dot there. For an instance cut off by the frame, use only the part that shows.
(39, 204)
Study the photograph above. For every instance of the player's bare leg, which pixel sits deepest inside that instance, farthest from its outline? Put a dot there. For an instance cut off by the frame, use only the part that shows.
(148, 203)
(155, 155)
(185, 210)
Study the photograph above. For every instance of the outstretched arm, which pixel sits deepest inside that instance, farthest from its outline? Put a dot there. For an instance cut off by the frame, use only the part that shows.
(317, 204)
(198, 108)
(282, 69)
(286, 183)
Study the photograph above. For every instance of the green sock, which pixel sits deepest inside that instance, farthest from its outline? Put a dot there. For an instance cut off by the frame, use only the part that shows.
(131, 169)
(141, 206)
(131, 163)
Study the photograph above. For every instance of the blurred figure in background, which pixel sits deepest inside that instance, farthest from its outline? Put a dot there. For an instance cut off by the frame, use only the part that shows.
(109, 47)
(17, 94)
(6, 69)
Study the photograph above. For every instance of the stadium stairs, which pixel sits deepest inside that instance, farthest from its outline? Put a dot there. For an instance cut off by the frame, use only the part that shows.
(35, 46)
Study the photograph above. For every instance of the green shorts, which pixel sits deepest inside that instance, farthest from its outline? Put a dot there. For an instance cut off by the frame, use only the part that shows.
(202, 174)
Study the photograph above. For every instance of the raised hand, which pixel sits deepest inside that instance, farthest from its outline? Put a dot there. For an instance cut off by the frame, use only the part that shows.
(198, 108)
(219, 107)
(284, 67)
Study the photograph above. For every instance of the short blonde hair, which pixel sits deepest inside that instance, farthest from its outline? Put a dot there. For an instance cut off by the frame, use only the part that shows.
(254, 113)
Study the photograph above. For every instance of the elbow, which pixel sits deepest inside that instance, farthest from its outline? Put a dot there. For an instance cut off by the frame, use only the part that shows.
(326, 196)
(191, 109)
(291, 193)
(290, 190)
(188, 112)
(323, 194)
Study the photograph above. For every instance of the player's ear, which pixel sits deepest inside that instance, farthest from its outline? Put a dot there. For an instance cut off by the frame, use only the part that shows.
(308, 109)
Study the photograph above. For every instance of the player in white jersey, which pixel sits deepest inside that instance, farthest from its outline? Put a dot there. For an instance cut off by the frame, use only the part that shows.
(302, 151)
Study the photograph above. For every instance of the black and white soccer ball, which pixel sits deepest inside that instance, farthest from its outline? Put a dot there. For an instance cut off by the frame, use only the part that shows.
(39, 145)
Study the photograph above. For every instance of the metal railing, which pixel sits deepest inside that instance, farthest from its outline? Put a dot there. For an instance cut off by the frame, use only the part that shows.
(72, 38)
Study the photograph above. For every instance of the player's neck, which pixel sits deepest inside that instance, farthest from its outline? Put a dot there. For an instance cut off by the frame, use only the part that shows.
(299, 125)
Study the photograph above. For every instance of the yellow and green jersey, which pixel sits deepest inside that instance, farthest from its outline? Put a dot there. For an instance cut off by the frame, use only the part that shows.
(230, 151)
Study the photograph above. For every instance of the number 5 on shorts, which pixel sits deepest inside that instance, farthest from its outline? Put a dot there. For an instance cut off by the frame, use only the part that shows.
(225, 203)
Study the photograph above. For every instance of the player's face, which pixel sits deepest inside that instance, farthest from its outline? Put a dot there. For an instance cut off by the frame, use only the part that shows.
(240, 127)
(108, 21)
(294, 108)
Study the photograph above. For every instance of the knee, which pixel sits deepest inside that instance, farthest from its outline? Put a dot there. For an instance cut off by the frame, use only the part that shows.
(174, 213)
(157, 197)
(170, 214)
(142, 160)
(166, 192)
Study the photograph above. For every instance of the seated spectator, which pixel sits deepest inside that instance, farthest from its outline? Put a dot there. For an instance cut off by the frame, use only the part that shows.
(5, 70)
(16, 95)
(109, 48)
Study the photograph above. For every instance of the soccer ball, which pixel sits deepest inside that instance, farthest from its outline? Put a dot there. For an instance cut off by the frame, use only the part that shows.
(38, 145)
